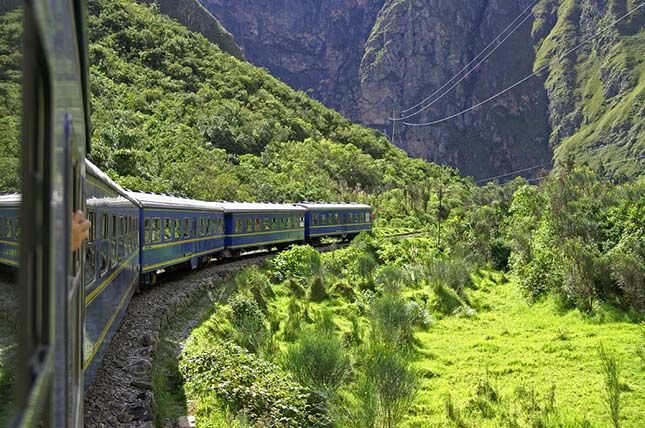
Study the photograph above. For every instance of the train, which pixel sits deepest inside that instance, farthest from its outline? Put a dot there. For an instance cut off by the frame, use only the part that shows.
(69, 303)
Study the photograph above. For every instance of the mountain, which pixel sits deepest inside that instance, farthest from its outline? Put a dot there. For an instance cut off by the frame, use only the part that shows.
(371, 60)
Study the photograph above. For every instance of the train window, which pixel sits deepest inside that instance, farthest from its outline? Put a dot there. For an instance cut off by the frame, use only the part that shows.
(281, 223)
(314, 219)
(267, 223)
(167, 229)
(323, 219)
(257, 224)
(156, 230)
(105, 244)
(7, 227)
(90, 250)
(220, 222)
(113, 242)
(1, 227)
(302, 221)
(134, 228)
(177, 228)
(357, 219)
(274, 223)
(122, 235)
(249, 224)
(367, 217)
(201, 226)
(186, 227)
(17, 222)
(146, 231)
(238, 225)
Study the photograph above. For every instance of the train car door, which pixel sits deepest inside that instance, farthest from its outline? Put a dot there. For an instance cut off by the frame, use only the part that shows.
(55, 135)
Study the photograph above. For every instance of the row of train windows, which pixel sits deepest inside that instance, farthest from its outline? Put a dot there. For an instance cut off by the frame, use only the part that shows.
(258, 224)
(180, 228)
(119, 237)
(9, 228)
(336, 218)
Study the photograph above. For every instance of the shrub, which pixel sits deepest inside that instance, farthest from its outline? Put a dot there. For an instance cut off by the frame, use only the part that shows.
(317, 360)
(391, 278)
(258, 389)
(395, 384)
(611, 371)
(317, 290)
(392, 321)
(254, 282)
(453, 272)
(248, 320)
(298, 262)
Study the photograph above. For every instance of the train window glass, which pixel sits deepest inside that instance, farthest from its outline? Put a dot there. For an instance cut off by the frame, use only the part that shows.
(7, 227)
(211, 225)
(113, 241)
(274, 223)
(356, 218)
(17, 222)
(249, 224)
(146, 231)
(323, 219)
(156, 230)
(90, 250)
(167, 229)
(220, 222)
(122, 235)
(302, 221)
(314, 219)
(177, 228)
(281, 222)
(186, 227)
(2, 227)
(201, 226)
(367, 217)
(267, 223)
(134, 227)
(348, 218)
(238, 225)
(257, 224)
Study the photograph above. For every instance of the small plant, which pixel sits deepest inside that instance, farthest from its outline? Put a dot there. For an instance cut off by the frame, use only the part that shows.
(454, 414)
(317, 290)
(248, 320)
(317, 360)
(611, 370)
(393, 321)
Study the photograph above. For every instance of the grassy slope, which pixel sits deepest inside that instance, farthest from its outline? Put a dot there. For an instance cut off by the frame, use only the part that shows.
(533, 346)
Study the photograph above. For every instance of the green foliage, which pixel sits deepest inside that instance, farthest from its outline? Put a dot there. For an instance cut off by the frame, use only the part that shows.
(611, 372)
(248, 385)
(317, 290)
(248, 320)
(393, 321)
(318, 360)
(299, 262)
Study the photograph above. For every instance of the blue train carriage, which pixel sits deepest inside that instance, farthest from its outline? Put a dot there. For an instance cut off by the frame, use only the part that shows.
(111, 262)
(252, 226)
(9, 229)
(175, 232)
(336, 220)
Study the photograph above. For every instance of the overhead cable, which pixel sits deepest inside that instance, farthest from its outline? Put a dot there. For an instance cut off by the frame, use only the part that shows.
(535, 73)
(466, 67)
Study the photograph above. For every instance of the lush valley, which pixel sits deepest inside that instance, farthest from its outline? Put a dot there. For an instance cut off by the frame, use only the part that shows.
(515, 305)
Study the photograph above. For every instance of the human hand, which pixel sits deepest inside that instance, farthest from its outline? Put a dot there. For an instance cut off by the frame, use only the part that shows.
(80, 229)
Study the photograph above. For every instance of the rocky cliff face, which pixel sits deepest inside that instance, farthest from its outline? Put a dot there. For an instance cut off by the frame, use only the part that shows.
(373, 59)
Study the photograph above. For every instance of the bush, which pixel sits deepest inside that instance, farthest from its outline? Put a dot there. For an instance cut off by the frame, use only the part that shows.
(317, 290)
(317, 360)
(248, 320)
(258, 389)
(445, 299)
(392, 321)
(611, 371)
(299, 262)
(453, 272)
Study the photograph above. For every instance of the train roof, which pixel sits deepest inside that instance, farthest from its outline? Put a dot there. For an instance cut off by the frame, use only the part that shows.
(94, 171)
(327, 206)
(154, 200)
(263, 207)
(10, 200)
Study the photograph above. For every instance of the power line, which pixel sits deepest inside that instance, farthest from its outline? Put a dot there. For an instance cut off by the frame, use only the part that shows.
(466, 67)
(514, 172)
(535, 73)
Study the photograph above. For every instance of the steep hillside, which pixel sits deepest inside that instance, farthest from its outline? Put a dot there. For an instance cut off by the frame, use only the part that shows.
(597, 94)
(195, 17)
(407, 49)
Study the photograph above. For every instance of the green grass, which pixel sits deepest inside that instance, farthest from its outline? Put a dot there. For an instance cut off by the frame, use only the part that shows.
(513, 344)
